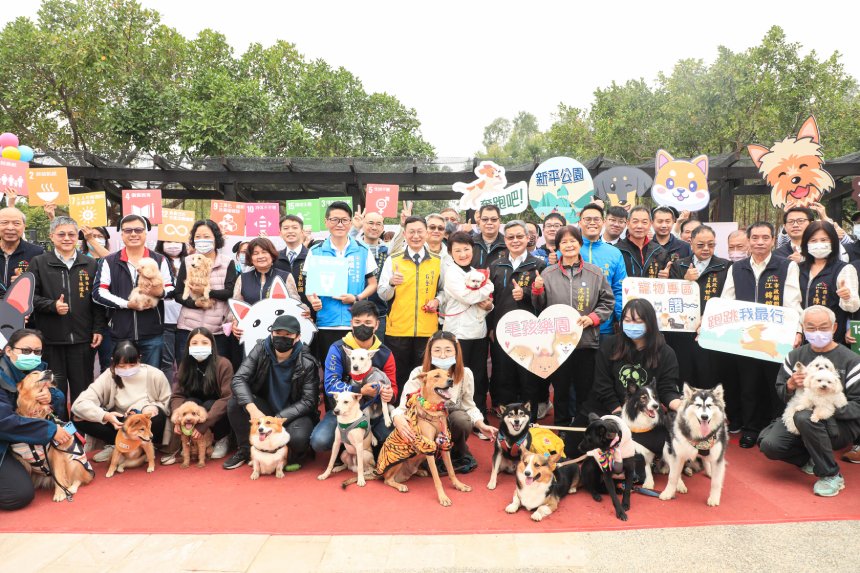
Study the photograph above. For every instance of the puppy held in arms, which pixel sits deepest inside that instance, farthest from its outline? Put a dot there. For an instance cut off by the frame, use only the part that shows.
(269, 439)
(150, 285)
(821, 392)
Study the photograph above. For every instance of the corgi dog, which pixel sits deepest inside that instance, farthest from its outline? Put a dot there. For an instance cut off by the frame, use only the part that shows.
(793, 168)
(751, 339)
(269, 439)
(133, 442)
(681, 184)
(542, 483)
(564, 344)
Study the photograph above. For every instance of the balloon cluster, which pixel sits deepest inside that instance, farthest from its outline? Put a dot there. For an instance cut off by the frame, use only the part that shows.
(13, 150)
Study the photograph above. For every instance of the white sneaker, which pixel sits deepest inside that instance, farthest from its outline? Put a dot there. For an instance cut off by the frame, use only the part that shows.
(543, 409)
(221, 448)
(104, 455)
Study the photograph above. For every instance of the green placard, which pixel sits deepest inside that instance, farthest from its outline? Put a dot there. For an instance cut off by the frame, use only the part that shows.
(854, 329)
(308, 210)
(326, 201)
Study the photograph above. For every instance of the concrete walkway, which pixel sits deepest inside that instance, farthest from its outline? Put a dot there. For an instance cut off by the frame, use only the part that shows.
(826, 546)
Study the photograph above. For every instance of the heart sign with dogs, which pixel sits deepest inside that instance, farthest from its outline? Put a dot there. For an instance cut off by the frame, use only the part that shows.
(16, 305)
(540, 344)
(490, 188)
(681, 184)
(255, 320)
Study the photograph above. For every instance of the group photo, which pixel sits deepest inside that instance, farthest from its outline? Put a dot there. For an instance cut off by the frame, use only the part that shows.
(248, 311)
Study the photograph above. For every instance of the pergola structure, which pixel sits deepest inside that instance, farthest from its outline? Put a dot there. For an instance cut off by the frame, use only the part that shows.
(277, 179)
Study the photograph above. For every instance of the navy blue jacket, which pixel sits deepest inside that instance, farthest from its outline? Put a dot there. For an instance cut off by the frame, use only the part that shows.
(20, 259)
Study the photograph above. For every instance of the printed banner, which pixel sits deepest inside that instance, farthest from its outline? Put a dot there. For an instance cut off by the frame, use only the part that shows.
(143, 202)
(14, 174)
(540, 344)
(176, 225)
(48, 185)
(382, 199)
(327, 276)
(261, 219)
(676, 302)
(308, 210)
(489, 189)
(89, 209)
(560, 185)
(229, 216)
(748, 329)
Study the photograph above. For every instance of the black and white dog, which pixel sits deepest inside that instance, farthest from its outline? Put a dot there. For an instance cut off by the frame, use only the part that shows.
(513, 438)
(610, 450)
(644, 416)
(698, 432)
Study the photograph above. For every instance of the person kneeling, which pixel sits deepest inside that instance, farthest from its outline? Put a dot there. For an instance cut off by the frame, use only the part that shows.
(279, 378)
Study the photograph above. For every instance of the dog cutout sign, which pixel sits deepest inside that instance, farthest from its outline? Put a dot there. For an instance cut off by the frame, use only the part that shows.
(16, 305)
(676, 302)
(490, 188)
(255, 320)
(681, 184)
(560, 185)
(540, 344)
(793, 168)
(749, 329)
(621, 186)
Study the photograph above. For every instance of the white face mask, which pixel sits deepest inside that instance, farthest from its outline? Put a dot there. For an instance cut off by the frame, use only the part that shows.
(200, 353)
(204, 246)
(101, 242)
(127, 371)
(736, 256)
(172, 249)
(857, 230)
(820, 250)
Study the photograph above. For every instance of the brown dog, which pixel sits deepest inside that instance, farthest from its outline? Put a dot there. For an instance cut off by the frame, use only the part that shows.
(400, 458)
(69, 467)
(186, 417)
(133, 440)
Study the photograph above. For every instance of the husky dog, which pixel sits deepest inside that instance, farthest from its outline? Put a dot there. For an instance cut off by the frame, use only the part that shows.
(698, 431)
(644, 416)
(821, 393)
(513, 438)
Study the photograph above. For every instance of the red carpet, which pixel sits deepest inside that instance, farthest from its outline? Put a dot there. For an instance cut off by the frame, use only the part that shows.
(212, 500)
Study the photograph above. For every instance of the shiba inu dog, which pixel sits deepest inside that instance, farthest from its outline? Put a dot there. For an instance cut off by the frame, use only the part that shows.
(133, 445)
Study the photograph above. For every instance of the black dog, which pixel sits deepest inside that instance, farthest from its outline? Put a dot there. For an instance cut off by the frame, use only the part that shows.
(609, 436)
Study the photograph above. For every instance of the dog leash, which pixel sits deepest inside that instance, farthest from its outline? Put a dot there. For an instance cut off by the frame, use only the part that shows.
(568, 428)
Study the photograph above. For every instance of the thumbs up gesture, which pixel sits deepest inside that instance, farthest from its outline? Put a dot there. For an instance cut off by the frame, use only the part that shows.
(517, 291)
(691, 274)
(843, 291)
(538, 284)
(664, 274)
(62, 306)
(396, 276)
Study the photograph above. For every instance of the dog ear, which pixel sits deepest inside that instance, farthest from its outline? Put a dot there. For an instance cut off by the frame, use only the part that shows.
(688, 392)
(799, 367)
(147, 414)
(356, 397)
(204, 415)
(503, 409)
(718, 392)
(370, 353)
(756, 153)
(809, 129)
(592, 417)
(528, 407)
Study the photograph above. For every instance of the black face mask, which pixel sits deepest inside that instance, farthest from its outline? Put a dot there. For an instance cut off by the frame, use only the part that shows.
(282, 343)
(362, 332)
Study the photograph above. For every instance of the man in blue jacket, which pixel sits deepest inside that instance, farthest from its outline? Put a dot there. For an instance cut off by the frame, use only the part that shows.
(605, 256)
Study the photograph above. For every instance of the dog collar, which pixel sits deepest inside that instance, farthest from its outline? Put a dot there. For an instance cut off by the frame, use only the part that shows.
(269, 451)
(125, 444)
(512, 449)
(360, 423)
(430, 407)
(704, 446)
(359, 377)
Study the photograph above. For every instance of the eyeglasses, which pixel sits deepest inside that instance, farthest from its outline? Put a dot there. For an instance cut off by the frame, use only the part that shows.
(706, 245)
(553, 226)
(792, 222)
(28, 351)
(65, 235)
(489, 219)
(341, 221)
(435, 228)
(591, 219)
(515, 237)
(134, 231)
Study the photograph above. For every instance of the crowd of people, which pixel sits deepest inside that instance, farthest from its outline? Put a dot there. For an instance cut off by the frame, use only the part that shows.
(408, 300)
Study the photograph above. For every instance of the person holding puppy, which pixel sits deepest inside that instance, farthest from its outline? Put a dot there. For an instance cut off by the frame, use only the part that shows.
(279, 378)
(812, 450)
(117, 276)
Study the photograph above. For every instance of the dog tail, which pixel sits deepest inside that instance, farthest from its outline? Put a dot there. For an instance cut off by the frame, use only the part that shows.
(368, 476)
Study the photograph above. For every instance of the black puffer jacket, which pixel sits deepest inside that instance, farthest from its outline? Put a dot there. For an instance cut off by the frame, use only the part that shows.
(252, 379)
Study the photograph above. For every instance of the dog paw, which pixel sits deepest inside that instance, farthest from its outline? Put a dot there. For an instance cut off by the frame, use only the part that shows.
(59, 496)
(402, 488)
(682, 487)
(444, 501)
(337, 469)
(323, 476)
(201, 464)
(625, 506)
(422, 473)
(120, 469)
(280, 474)
(596, 497)
(713, 501)
(491, 485)
(537, 516)
(666, 496)
(648, 484)
(255, 475)
(511, 508)
(688, 471)
(814, 418)
(184, 466)
(109, 474)
(150, 469)
(621, 515)
(461, 486)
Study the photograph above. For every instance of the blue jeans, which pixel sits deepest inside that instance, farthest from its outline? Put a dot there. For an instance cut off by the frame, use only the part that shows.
(150, 350)
(322, 437)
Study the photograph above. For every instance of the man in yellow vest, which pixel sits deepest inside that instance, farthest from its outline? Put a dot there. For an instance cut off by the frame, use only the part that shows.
(411, 282)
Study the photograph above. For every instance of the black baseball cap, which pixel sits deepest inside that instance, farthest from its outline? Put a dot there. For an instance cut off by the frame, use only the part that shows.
(286, 322)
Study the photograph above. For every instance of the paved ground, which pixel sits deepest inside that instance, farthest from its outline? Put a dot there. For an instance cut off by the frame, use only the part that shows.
(811, 546)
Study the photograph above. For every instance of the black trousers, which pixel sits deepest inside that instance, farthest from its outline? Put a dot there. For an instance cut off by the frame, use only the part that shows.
(475, 354)
(16, 487)
(816, 442)
(299, 429)
(726, 372)
(759, 401)
(72, 365)
(408, 353)
(323, 340)
(107, 433)
(696, 365)
(511, 382)
(572, 384)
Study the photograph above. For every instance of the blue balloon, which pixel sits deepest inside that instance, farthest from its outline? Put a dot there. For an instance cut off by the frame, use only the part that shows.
(27, 153)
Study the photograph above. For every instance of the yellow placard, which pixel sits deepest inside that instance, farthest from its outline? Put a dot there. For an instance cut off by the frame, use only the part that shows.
(89, 209)
(48, 185)
(175, 225)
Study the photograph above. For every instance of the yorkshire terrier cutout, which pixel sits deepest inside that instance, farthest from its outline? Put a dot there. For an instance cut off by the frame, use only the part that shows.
(793, 168)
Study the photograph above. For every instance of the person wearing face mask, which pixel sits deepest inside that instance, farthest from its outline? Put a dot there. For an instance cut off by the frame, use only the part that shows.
(738, 246)
(280, 377)
(95, 241)
(240, 256)
(128, 386)
(635, 357)
(21, 356)
(824, 279)
(812, 450)
(171, 350)
(213, 314)
(534, 237)
(203, 377)
(464, 417)
(364, 323)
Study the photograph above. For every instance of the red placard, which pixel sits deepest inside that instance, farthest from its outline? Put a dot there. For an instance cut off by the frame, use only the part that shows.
(230, 217)
(13, 174)
(382, 199)
(143, 202)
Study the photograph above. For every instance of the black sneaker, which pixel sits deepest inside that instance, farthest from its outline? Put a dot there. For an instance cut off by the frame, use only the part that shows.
(239, 459)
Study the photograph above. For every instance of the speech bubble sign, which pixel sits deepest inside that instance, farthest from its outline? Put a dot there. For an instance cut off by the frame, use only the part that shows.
(676, 302)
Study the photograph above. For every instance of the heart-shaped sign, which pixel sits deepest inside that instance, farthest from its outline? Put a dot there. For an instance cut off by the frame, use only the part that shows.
(540, 344)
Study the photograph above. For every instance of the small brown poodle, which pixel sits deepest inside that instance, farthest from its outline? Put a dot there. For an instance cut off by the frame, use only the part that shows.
(185, 420)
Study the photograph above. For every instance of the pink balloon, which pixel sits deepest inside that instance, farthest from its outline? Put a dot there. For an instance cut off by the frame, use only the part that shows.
(8, 140)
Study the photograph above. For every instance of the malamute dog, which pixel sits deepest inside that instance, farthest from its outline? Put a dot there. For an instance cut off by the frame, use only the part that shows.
(513, 438)
(698, 431)
(821, 393)
(644, 416)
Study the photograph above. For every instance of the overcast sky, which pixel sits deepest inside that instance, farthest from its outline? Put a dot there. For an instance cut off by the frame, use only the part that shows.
(461, 64)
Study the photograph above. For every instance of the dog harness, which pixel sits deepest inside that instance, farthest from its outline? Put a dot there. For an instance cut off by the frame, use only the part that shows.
(37, 457)
(511, 450)
(345, 429)
(704, 446)
(124, 444)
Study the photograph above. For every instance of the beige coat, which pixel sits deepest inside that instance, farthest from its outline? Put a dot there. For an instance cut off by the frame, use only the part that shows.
(103, 395)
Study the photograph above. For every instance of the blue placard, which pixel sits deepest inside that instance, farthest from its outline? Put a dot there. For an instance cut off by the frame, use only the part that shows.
(327, 276)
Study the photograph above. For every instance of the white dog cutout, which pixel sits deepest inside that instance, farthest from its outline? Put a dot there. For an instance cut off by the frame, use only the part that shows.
(255, 320)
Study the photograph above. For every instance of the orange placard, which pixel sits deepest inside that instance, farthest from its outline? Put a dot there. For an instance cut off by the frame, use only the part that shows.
(175, 225)
(48, 185)
(88, 209)
(230, 217)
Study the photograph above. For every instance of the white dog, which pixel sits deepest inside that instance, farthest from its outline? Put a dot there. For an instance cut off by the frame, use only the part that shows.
(354, 433)
(363, 372)
(821, 393)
